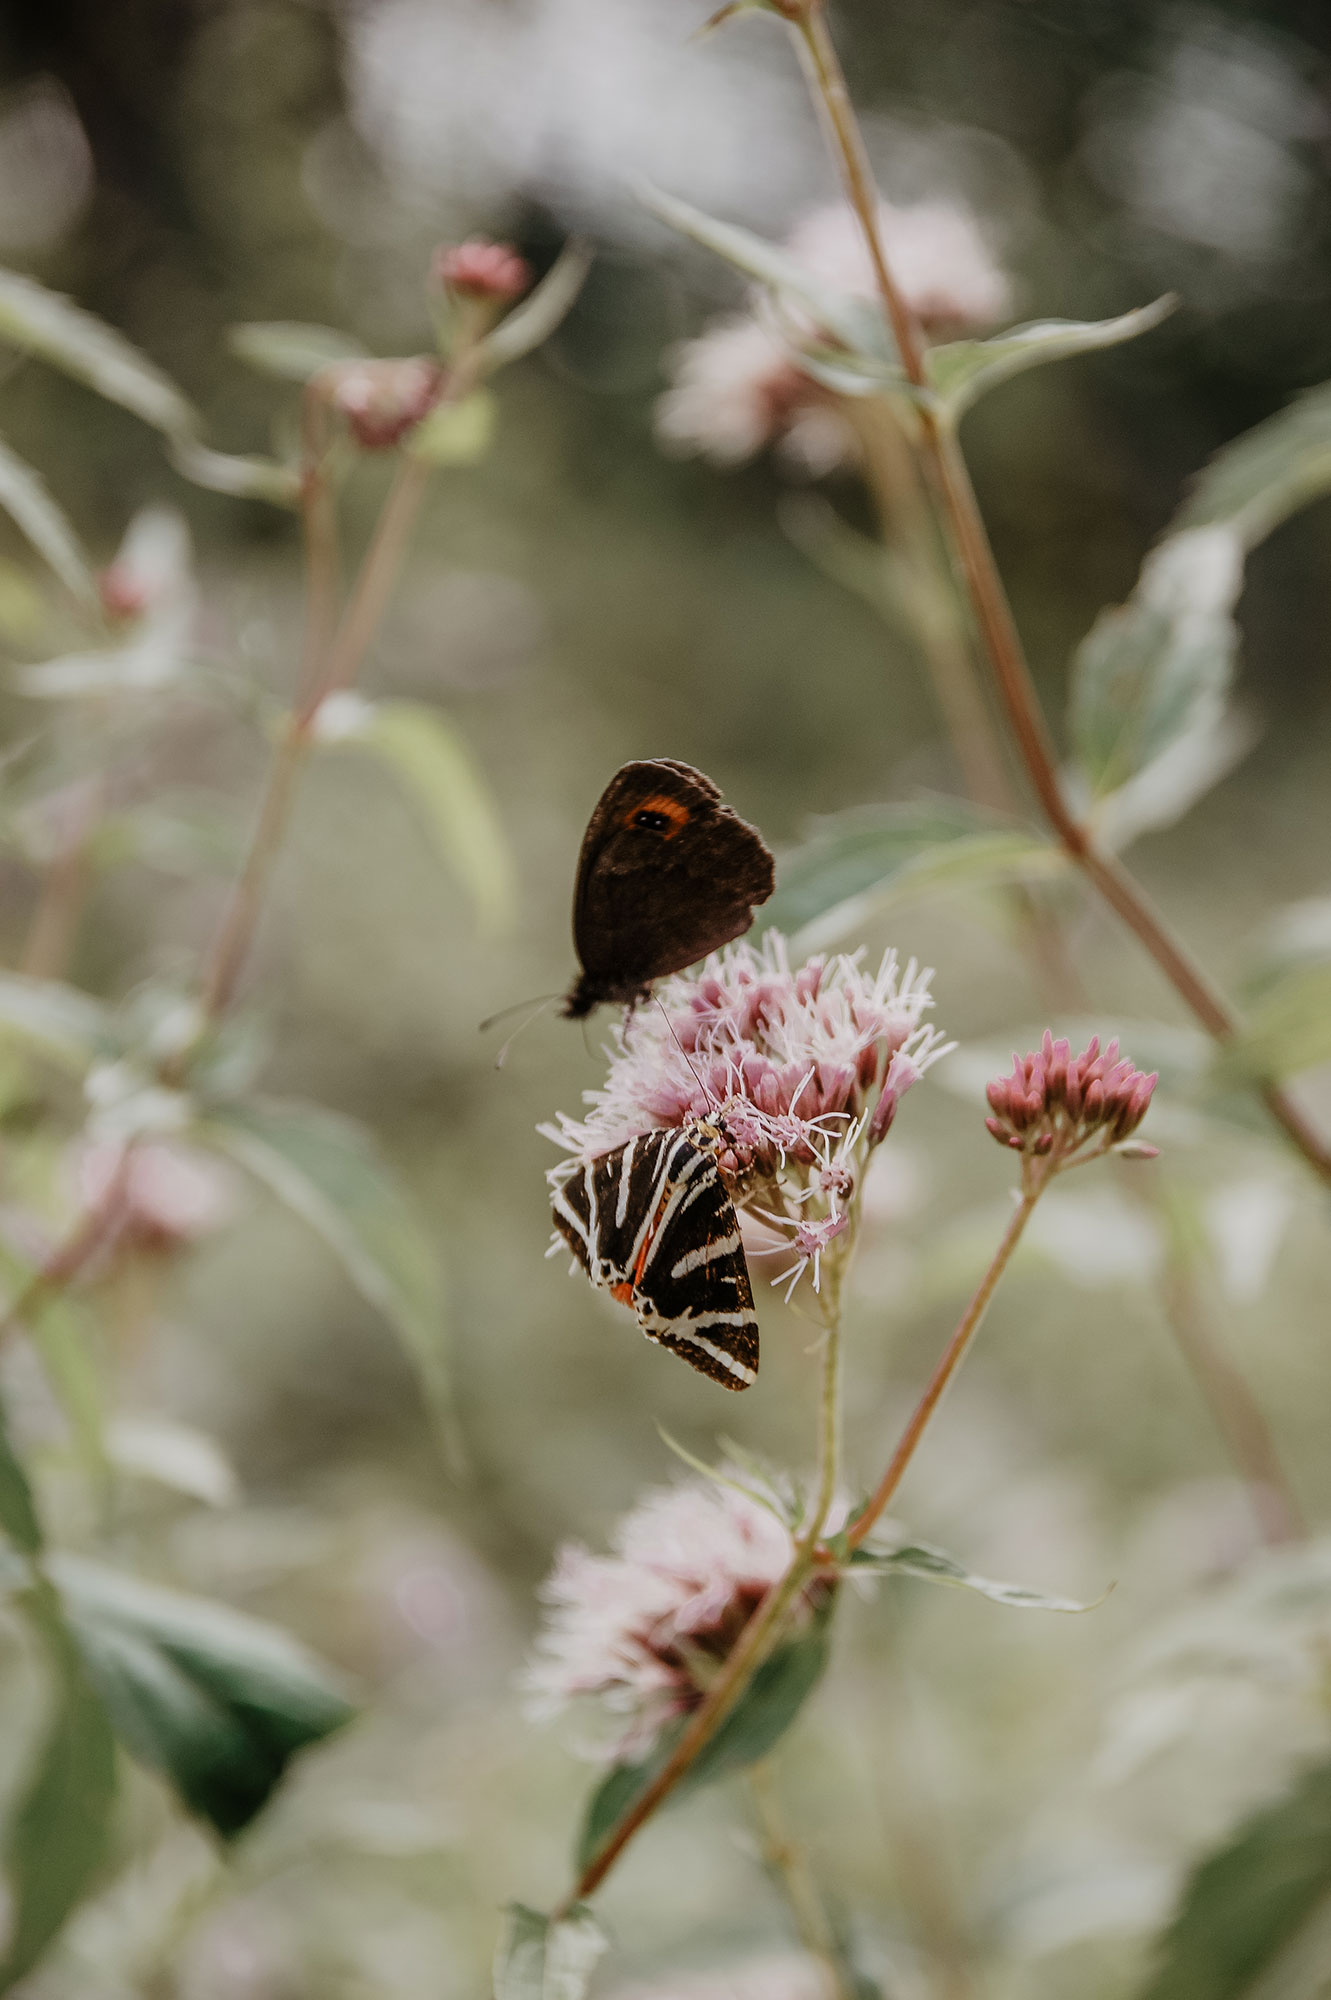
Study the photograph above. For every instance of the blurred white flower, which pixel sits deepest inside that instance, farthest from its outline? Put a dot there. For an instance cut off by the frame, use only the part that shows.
(164, 1195)
(691, 1563)
(946, 271)
(738, 387)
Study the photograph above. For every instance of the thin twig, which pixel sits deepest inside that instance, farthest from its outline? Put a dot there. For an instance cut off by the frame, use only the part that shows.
(789, 1867)
(993, 615)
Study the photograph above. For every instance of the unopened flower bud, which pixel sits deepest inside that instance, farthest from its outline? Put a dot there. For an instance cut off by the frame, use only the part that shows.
(1054, 1102)
(123, 596)
(383, 400)
(479, 269)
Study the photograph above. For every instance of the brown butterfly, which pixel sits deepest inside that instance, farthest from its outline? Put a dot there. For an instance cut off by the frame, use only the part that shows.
(667, 873)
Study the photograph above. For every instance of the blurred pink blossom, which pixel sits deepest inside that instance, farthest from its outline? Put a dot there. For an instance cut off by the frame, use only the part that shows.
(738, 387)
(480, 269)
(383, 400)
(165, 1194)
(690, 1564)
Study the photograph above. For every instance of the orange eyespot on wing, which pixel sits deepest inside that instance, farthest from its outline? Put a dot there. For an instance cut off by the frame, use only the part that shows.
(659, 814)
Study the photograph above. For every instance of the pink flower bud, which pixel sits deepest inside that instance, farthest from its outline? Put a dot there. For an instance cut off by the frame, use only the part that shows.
(479, 269)
(383, 400)
(1053, 1103)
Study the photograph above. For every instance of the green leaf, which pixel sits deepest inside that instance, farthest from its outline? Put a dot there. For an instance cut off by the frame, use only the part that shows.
(431, 760)
(756, 1724)
(18, 1513)
(70, 1027)
(330, 1172)
(46, 324)
(1288, 1029)
(857, 323)
(216, 1701)
(936, 1566)
(1252, 484)
(456, 433)
(24, 497)
(59, 1832)
(964, 370)
(67, 1356)
(855, 863)
(541, 311)
(291, 349)
(539, 1959)
(1156, 671)
(174, 1455)
(1258, 1909)
(242, 478)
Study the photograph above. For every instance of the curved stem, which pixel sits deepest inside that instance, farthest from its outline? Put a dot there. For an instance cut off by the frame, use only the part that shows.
(951, 1359)
(993, 615)
(755, 1642)
(789, 1866)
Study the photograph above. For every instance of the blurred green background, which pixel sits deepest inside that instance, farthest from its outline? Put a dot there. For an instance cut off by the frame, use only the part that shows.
(577, 600)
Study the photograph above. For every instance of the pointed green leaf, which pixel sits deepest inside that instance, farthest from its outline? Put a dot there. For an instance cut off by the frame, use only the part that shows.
(964, 370)
(1157, 670)
(756, 1724)
(18, 1513)
(331, 1173)
(936, 1566)
(1258, 1909)
(1286, 1030)
(857, 323)
(44, 323)
(216, 1701)
(59, 1833)
(855, 863)
(1252, 484)
(539, 1959)
(291, 349)
(537, 317)
(428, 757)
(59, 1021)
(25, 499)
(61, 1339)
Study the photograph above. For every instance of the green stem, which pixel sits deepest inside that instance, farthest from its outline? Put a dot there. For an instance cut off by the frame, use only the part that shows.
(789, 1867)
(757, 1639)
(951, 1359)
(974, 557)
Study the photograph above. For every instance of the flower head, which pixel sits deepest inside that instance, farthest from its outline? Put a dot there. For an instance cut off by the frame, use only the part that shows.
(159, 1196)
(800, 1068)
(1054, 1103)
(738, 386)
(480, 269)
(383, 400)
(645, 1626)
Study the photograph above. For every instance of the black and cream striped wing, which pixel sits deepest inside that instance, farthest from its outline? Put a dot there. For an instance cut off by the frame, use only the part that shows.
(652, 1223)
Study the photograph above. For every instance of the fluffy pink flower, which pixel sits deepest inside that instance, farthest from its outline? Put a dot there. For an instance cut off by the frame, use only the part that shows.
(738, 387)
(690, 1564)
(802, 1068)
(1055, 1103)
(164, 1194)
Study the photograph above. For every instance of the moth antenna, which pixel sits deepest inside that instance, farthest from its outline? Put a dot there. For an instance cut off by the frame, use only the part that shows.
(504, 1013)
(507, 1013)
(708, 1094)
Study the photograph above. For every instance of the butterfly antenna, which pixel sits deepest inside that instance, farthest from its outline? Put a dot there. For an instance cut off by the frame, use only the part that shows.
(710, 1095)
(506, 1013)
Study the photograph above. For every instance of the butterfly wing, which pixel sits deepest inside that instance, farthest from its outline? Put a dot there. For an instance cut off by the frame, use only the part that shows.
(653, 1224)
(667, 873)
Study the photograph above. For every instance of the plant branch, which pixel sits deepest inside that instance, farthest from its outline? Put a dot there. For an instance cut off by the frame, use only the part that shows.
(951, 1359)
(993, 615)
(93, 1230)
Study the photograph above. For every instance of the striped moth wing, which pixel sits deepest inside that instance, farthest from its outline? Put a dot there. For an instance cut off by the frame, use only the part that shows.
(652, 1223)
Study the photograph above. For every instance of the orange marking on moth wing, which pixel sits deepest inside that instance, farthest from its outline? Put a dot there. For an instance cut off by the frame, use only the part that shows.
(673, 810)
(624, 1293)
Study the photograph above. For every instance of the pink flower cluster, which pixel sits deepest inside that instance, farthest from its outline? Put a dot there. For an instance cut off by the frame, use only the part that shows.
(383, 400)
(802, 1068)
(1053, 1103)
(739, 386)
(480, 269)
(638, 1627)
(159, 1195)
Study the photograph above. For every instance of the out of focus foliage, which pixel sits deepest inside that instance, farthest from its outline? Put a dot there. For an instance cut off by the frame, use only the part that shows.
(1010, 1806)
